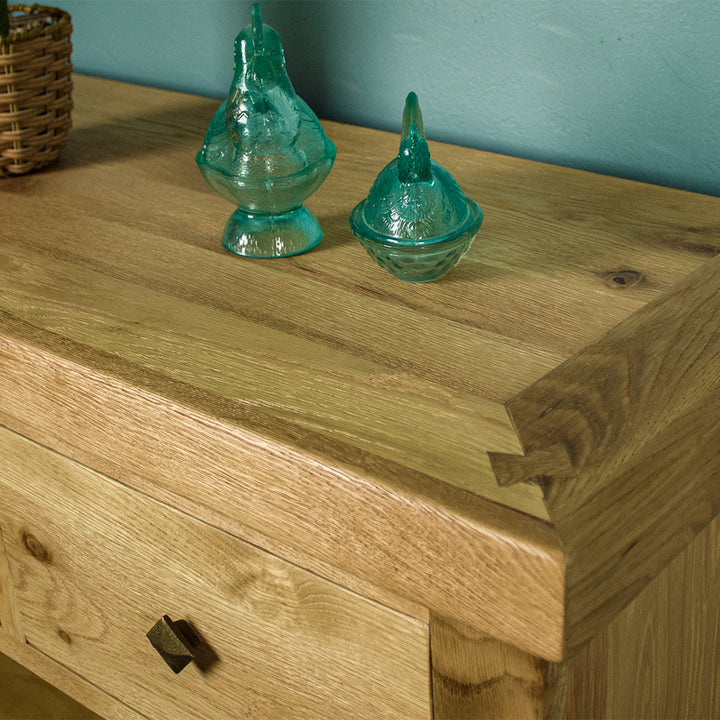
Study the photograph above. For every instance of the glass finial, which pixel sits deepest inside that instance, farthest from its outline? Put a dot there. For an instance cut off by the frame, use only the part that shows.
(414, 157)
(412, 116)
(257, 27)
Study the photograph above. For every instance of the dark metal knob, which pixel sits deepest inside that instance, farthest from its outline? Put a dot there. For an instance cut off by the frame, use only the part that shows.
(175, 641)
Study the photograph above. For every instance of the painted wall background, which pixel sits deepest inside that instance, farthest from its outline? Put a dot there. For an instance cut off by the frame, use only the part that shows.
(622, 87)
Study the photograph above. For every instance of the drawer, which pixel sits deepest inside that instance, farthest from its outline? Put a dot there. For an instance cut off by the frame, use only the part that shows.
(95, 565)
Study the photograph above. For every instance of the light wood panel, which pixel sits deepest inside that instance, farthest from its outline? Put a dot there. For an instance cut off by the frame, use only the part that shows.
(97, 565)
(659, 657)
(325, 410)
(552, 244)
(129, 175)
(636, 414)
(402, 533)
(299, 347)
(9, 616)
(394, 336)
(264, 368)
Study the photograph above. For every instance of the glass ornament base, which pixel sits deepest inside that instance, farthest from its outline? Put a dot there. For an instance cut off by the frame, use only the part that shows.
(271, 235)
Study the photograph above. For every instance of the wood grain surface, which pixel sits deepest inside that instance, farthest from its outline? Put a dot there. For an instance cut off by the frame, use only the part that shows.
(637, 414)
(477, 677)
(657, 658)
(309, 350)
(404, 536)
(660, 656)
(276, 640)
(320, 405)
(10, 623)
(361, 426)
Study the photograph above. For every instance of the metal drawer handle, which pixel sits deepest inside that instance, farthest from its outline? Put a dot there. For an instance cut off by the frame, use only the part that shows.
(175, 641)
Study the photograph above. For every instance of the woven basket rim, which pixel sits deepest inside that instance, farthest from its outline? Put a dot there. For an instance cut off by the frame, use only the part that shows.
(60, 19)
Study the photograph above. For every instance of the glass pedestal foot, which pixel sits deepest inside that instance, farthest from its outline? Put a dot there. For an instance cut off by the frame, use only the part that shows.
(271, 235)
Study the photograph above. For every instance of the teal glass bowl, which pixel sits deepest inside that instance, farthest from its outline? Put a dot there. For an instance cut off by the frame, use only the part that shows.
(416, 222)
(266, 152)
(418, 262)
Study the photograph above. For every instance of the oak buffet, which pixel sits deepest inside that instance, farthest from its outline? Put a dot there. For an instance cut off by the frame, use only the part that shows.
(490, 496)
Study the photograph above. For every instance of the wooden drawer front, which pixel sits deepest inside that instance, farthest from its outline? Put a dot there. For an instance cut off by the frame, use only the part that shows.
(8, 610)
(96, 564)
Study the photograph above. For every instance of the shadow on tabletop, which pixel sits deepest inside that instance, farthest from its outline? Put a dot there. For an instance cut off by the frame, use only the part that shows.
(147, 134)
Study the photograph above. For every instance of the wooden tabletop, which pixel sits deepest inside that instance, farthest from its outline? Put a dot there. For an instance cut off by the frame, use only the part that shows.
(432, 446)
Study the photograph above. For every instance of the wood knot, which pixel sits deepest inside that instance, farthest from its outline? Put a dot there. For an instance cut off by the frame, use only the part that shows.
(703, 249)
(64, 636)
(621, 279)
(36, 548)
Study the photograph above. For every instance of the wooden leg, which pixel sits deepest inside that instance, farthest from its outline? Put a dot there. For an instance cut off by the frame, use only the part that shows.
(475, 676)
(659, 657)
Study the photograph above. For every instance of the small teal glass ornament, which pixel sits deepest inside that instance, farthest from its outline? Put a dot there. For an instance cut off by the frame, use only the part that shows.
(266, 152)
(416, 222)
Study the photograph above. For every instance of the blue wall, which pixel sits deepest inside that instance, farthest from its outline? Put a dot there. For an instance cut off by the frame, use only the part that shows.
(623, 87)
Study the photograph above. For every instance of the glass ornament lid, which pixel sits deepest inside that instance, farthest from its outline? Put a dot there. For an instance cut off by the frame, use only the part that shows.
(414, 200)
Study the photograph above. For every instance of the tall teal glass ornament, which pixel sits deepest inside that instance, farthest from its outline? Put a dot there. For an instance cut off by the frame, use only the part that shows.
(415, 222)
(266, 152)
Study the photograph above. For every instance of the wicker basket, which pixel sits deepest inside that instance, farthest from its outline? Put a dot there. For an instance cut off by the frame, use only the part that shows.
(35, 88)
